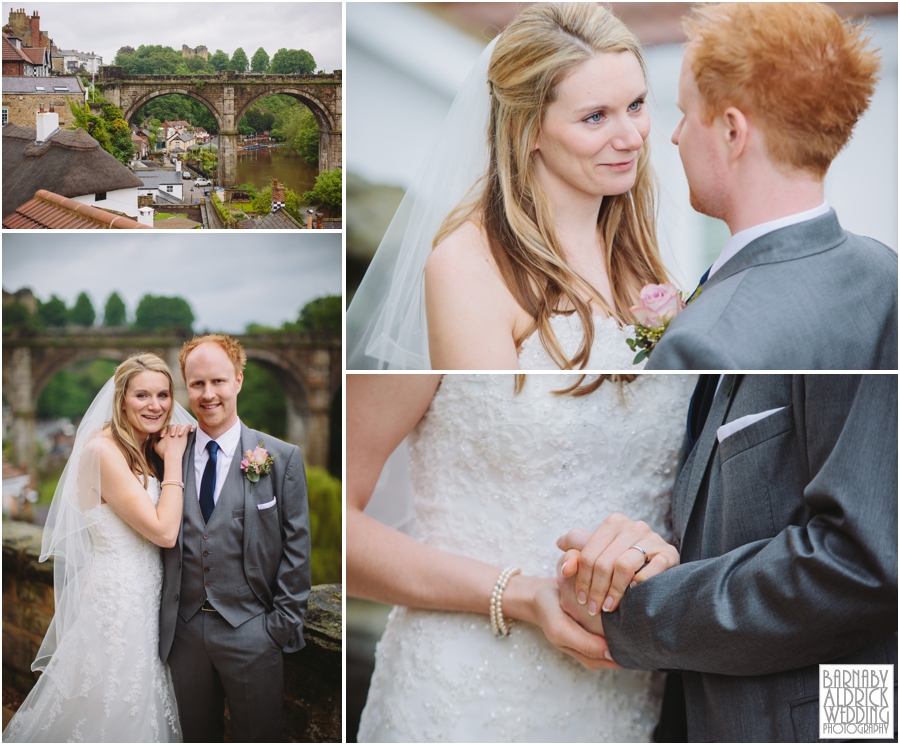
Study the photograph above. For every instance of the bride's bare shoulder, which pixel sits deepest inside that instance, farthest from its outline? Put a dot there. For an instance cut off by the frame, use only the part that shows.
(464, 254)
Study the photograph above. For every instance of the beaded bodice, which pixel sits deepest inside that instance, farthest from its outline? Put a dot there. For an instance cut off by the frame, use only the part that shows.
(608, 352)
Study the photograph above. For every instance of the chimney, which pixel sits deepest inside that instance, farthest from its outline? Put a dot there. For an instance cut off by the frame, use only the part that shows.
(145, 216)
(277, 197)
(47, 124)
(35, 29)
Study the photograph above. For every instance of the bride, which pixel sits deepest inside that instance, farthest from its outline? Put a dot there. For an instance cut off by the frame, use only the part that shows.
(501, 466)
(537, 264)
(118, 500)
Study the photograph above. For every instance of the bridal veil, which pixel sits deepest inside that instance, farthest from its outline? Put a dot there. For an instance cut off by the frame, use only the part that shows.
(386, 326)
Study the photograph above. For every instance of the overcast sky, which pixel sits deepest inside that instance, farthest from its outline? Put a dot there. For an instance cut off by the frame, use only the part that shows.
(103, 28)
(228, 280)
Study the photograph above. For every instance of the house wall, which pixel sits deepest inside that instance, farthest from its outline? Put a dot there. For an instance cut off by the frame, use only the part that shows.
(121, 200)
(23, 107)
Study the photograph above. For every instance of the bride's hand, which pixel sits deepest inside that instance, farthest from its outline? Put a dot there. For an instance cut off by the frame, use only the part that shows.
(563, 632)
(172, 441)
(605, 562)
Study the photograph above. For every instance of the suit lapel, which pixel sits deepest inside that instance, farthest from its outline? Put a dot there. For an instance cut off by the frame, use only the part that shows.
(785, 244)
(704, 448)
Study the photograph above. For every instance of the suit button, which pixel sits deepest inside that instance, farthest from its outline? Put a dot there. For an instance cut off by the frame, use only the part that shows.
(206, 569)
(206, 536)
(176, 598)
(205, 553)
(209, 584)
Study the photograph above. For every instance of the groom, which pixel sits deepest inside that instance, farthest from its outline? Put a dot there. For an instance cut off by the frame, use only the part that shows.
(236, 584)
(769, 95)
(785, 513)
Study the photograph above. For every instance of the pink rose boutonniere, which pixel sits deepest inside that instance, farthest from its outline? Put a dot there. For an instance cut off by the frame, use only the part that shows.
(257, 463)
(659, 305)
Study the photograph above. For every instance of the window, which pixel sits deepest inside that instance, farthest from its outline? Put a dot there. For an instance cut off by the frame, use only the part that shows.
(5, 117)
(39, 87)
(100, 196)
(169, 189)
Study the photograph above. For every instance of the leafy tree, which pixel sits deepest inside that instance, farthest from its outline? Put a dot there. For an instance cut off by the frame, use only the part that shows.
(292, 61)
(261, 402)
(159, 313)
(261, 203)
(114, 312)
(17, 317)
(324, 498)
(69, 393)
(219, 60)
(239, 61)
(199, 65)
(125, 50)
(90, 123)
(306, 141)
(260, 61)
(82, 313)
(322, 315)
(326, 194)
(109, 129)
(53, 312)
(258, 120)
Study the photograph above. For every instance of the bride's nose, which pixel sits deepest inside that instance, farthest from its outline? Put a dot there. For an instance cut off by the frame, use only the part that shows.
(627, 137)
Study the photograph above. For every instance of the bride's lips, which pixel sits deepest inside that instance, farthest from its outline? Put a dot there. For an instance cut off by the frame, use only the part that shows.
(624, 166)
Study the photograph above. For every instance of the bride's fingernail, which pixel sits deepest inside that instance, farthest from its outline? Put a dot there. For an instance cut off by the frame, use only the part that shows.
(608, 603)
(607, 655)
(592, 609)
(633, 584)
(582, 598)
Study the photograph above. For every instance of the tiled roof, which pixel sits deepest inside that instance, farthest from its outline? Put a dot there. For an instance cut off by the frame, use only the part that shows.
(12, 53)
(28, 84)
(35, 54)
(280, 220)
(49, 210)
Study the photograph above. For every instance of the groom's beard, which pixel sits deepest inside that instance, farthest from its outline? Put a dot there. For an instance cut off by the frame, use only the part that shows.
(709, 205)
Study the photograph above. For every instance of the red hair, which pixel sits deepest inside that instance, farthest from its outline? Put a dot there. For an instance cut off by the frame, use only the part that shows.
(232, 348)
(795, 69)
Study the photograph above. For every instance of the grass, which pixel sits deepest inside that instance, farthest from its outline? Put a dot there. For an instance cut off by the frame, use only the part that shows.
(163, 216)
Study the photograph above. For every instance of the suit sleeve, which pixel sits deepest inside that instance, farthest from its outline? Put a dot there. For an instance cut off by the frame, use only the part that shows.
(812, 593)
(681, 349)
(293, 577)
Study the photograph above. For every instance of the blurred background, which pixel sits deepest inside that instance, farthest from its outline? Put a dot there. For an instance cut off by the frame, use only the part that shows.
(407, 61)
(73, 309)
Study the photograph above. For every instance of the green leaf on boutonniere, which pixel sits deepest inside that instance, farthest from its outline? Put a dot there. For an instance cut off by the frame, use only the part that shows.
(252, 477)
(640, 356)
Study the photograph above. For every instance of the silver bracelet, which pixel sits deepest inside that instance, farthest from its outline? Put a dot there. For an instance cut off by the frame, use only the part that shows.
(172, 482)
(499, 625)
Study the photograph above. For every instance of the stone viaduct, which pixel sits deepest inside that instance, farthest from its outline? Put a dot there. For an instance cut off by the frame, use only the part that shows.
(228, 95)
(308, 370)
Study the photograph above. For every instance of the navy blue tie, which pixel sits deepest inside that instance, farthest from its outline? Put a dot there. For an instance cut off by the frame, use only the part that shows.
(208, 483)
(702, 282)
(701, 403)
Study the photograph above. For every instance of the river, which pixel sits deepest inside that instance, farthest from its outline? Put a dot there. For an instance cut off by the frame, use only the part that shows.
(259, 167)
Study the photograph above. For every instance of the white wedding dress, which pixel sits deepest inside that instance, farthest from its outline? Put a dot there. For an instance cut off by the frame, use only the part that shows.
(608, 352)
(499, 477)
(106, 682)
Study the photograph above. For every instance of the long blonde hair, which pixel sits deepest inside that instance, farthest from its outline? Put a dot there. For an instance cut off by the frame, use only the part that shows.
(141, 461)
(533, 54)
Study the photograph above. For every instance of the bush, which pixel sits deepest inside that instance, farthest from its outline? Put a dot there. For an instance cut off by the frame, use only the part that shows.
(324, 493)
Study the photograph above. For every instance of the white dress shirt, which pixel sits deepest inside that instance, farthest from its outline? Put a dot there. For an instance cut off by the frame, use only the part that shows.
(744, 237)
(228, 444)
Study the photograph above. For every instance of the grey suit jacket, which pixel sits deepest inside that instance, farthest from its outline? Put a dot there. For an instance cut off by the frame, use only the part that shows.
(276, 560)
(807, 297)
(788, 535)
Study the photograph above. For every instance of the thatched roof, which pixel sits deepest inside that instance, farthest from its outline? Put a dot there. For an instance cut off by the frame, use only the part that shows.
(71, 163)
(48, 210)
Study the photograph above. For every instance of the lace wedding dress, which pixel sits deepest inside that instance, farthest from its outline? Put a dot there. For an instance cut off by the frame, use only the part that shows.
(499, 477)
(608, 352)
(106, 682)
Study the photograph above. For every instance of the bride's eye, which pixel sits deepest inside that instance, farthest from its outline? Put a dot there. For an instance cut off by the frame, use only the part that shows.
(637, 105)
(595, 118)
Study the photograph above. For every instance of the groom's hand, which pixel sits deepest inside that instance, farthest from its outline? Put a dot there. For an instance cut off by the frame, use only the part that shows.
(606, 562)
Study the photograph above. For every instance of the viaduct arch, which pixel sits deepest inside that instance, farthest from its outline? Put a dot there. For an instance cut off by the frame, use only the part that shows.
(228, 95)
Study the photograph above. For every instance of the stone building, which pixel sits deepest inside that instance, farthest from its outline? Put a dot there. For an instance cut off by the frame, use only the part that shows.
(24, 96)
(28, 29)
(201, 51)
(19, 60)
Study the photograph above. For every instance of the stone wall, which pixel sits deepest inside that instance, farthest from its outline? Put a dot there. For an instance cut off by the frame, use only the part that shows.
(312, 700)
(22, 108)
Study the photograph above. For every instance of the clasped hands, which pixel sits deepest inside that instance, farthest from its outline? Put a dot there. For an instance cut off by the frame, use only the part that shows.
(593, 575)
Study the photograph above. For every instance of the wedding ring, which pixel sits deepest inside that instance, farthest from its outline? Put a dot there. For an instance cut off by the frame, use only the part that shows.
(640, 549)
(646, 558)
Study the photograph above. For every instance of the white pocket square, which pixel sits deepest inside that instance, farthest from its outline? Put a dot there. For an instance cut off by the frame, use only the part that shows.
(727, 430)
(266, 505)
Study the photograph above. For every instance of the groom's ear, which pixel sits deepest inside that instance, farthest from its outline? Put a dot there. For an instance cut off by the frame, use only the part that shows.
(240, 380)
(735, 130)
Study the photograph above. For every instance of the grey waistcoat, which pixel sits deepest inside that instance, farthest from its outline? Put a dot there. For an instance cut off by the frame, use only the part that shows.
(213, 553)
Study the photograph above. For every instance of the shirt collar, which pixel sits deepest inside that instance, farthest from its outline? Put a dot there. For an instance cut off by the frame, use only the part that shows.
(227, 441)
(745, 237)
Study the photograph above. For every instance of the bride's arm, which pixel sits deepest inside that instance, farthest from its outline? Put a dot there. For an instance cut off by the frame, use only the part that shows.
(390, 567)
(122, 491)
(471, 314)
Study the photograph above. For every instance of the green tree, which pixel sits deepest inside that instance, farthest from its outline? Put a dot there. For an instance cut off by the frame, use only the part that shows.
(114, 312)
(53, 312)
(261, 202)
(260, 61)
(219, 60)
(292, 61)
(324, 498)
(322, 315)
(326, 194)
(258, 120)
(261, 402)
(69, 393)
(306, 141)
(94, 125)
(17, 317)
(159, 313)
(82, 313)
(239, 61)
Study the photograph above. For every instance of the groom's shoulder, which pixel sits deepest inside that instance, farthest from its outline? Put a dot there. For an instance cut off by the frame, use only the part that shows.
(270, 443)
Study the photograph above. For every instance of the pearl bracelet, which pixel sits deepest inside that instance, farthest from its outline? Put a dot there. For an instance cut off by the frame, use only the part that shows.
(172, 482)
(499, 625)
